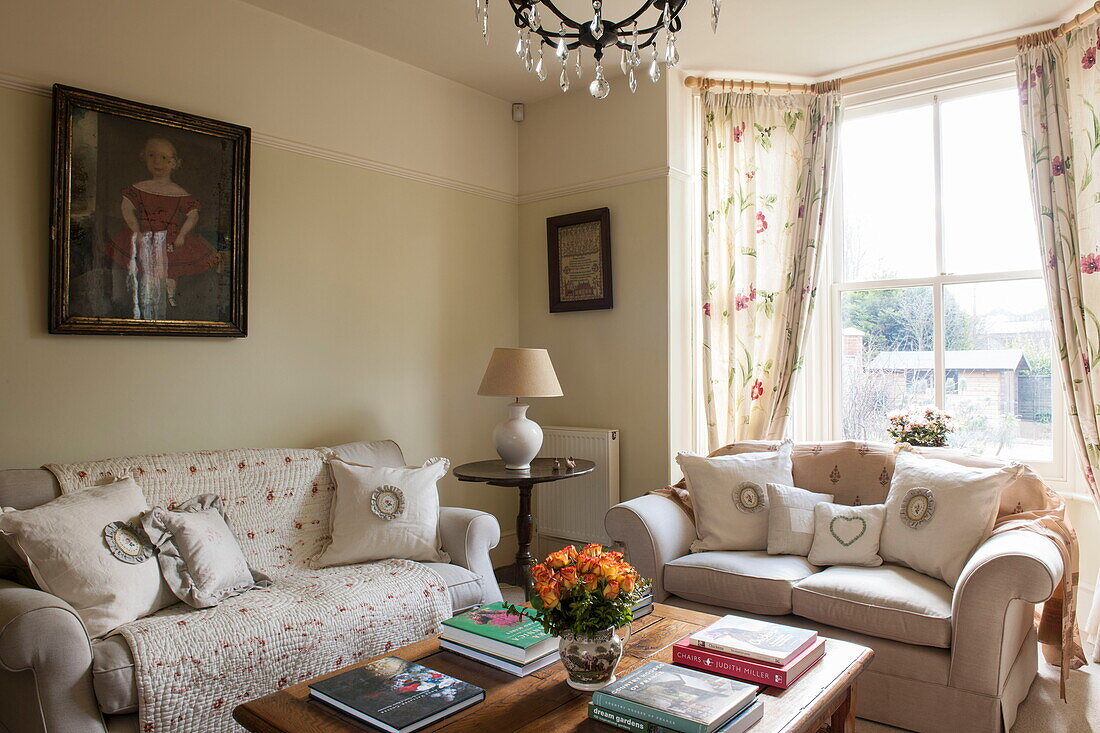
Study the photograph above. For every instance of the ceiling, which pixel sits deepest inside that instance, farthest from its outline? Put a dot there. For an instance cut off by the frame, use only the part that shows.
(772, 39)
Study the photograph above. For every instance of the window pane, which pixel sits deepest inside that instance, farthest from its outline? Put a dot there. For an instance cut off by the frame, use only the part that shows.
(998, 379)
(887, 347)
(888, 195)
(988, 224)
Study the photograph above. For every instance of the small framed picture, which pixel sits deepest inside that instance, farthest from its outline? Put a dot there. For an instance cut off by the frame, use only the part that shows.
(149, 220)
(579, 251)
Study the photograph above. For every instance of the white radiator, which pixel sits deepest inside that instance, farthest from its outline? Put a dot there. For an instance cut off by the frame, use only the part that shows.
(573, 509)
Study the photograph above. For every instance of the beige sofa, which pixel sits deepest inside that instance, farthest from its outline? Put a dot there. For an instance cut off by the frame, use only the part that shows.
(946, 659)
(53, 679)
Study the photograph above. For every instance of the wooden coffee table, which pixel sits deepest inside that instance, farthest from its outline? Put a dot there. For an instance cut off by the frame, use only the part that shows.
(542, 701)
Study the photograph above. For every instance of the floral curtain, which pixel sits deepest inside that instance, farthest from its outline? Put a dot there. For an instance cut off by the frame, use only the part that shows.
(767, 162)
(1059, 91)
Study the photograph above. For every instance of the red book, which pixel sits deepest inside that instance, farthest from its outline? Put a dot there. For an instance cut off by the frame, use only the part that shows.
(728, 665)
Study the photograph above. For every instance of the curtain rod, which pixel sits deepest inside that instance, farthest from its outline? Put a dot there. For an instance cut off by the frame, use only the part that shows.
(767, 87)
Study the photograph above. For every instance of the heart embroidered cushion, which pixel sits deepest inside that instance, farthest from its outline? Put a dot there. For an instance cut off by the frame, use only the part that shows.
(199, 556)
(383, 513)
(938, 512)
(730, 497)
(847, 535)
(79, 548)
(791, 519)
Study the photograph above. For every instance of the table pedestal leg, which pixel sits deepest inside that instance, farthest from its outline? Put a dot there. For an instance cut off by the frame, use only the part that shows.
(524, 559)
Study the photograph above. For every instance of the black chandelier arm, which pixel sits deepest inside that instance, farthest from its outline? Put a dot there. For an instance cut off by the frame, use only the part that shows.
(520, 8)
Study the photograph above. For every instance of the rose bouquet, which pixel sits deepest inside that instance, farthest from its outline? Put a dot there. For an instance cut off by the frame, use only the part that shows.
(923, 426)
(583, 592)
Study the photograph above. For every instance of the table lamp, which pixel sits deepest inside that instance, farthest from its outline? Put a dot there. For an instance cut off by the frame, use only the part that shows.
(519, 373)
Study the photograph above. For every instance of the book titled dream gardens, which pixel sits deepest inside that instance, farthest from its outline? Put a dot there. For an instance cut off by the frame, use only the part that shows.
(396, 695)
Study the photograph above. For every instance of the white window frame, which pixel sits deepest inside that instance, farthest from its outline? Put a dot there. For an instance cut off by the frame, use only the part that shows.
(829, 376)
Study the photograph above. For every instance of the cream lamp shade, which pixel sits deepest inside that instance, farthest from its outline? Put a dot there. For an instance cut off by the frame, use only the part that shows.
(520, 373)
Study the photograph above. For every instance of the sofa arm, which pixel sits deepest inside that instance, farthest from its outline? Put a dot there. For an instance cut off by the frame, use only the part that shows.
(654, 531)
(45, 665)
(467, 536)
(992, 609)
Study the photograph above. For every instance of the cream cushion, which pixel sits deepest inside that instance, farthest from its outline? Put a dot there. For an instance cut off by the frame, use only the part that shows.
(62, 543)
(200, 558)
(360, 533)
(889, 601)
(938, 512)
(791, 519)
(730, 497)
(751, 581)
(847, 535)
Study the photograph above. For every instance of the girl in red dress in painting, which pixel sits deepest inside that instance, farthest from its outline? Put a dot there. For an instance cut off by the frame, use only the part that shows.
(158, 247)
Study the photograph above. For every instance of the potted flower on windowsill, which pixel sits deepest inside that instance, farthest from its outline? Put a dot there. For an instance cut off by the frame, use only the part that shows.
(925, 427)
(582, 597)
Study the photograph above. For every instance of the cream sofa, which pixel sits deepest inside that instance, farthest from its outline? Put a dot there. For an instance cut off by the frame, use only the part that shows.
(946, 659)
(53, 679)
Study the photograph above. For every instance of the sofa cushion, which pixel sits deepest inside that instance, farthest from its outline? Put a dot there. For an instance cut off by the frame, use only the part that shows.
(113, 663)
(890, 601)
(463, 586)
(750, 580)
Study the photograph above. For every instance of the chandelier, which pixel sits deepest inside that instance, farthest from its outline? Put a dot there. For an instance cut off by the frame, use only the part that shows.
(630, 35)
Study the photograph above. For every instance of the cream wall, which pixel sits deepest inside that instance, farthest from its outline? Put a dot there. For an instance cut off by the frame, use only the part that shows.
(613, 364)
(380, 276)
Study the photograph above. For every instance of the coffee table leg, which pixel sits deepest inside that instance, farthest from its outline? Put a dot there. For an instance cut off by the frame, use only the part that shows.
(523, 537)
(844, 717)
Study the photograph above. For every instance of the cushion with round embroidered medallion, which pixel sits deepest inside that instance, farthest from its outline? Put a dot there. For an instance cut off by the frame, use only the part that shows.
(730, 498)
(847, 535)
(380, 513)
(938, 512)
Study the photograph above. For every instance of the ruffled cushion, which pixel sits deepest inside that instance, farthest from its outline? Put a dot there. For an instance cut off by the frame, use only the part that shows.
(200, 557)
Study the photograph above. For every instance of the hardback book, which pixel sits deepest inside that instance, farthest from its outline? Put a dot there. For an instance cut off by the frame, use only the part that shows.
(493, 630)
(751, 639)
(519, 670)
(679, 698)
(749, 670)
(396, 695)
(741, 722)
(640, 611)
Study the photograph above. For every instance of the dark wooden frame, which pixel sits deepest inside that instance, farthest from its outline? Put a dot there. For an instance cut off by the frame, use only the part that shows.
(65, 99)
(553, 224)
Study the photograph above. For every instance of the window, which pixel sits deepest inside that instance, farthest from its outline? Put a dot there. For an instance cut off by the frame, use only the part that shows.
(938, 295)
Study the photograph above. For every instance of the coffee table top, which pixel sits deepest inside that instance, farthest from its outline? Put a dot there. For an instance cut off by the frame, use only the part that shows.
(542, 701)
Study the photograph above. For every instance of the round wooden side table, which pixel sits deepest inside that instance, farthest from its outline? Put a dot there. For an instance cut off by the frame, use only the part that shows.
(541, 472)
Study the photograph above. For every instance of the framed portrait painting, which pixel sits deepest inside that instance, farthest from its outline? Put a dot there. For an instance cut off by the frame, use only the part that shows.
(149, 220)
(578, 248)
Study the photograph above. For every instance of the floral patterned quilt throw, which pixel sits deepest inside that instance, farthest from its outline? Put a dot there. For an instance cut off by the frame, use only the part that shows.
(194, 666)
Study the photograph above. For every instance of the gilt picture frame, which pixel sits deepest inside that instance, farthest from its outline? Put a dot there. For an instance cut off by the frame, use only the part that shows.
(578, 249)
(149, 220)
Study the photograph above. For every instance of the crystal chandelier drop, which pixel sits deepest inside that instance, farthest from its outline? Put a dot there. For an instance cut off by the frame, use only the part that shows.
(565, 38)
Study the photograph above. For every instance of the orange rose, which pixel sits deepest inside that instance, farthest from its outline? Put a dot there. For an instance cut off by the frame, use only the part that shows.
(590, 581)
(568, 577)
(550, 595)
(587, 564)
(628, 582)
(610, 568)
(542, 574)
(592, 550)
(562, 557)
(613, 555)
(611, 590)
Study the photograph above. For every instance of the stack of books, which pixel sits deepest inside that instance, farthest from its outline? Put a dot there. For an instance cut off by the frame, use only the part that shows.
(662, 697)
(493, 636)
(756, 651)
(396, 695)
(643, 607)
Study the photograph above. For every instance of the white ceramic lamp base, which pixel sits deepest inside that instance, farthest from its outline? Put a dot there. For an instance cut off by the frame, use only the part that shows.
(517, 439)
